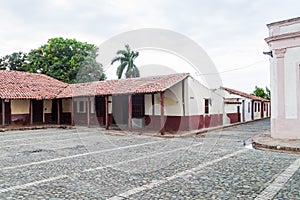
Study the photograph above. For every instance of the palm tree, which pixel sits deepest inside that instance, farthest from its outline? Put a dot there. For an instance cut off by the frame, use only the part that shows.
(126, 57)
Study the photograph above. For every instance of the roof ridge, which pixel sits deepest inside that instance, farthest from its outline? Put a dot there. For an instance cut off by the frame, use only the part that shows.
(241, 93)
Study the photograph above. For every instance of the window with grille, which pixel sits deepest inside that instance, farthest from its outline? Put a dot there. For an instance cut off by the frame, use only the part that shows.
(138, 106)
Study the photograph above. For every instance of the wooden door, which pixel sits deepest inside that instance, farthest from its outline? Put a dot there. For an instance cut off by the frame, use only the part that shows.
(7, 112)
(37, 111)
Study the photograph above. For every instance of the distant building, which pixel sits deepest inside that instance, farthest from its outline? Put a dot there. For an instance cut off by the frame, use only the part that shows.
(284, 43)
(242, 107)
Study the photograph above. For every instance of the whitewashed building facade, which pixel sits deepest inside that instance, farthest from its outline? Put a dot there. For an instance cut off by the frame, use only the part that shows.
(284, 43)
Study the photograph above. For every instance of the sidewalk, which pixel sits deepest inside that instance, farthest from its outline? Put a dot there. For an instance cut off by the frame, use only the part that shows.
(32, 127)
(266, 142)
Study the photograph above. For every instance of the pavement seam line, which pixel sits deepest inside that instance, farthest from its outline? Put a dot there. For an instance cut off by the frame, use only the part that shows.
(139, 158)
(42, 136)
(155, 183)
(87, 170)
(270, 191)
(17, 187)
(79, 155)
(80, 137)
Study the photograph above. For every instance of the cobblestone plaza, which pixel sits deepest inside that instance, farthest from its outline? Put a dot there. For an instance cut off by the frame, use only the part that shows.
(87, 163)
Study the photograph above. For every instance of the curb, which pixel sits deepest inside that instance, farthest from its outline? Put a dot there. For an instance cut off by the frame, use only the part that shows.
(257, 143)
(35, 128)
(260, 146)
(192, 133)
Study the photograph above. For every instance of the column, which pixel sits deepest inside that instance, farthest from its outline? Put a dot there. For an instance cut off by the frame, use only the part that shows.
(3, 112)
(88, 111)
(130, 112)
(31, 112)
(280, 82)
(58, 111)
(72, 112)
(162, 112)
(106, 113)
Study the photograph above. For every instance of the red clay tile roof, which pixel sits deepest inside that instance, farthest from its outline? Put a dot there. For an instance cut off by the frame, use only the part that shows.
(243, 94)
(24, 85)
(123, 86)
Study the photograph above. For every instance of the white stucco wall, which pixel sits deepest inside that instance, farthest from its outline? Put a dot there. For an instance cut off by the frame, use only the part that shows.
(194, 95)
(285, 118)
(172, 102)
(243, 106)
(291, 59)
(231, 108)
(195, 98)
(274, 87)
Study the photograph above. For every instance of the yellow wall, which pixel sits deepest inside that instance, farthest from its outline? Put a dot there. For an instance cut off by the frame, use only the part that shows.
(66, 105)
(47, 106)
(20, 106)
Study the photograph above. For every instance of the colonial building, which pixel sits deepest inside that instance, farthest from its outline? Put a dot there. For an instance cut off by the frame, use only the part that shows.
(284, 43)
(28, 98)
(175, 102)
(242, 107)
(168, 103)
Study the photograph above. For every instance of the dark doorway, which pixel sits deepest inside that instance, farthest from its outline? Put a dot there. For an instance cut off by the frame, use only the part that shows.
(7, 112)
(138, 106)
(243, 110)
(100, 109)
(239, 114)
(54, 110)
(120, 109)
(37, 111)
(252, 110)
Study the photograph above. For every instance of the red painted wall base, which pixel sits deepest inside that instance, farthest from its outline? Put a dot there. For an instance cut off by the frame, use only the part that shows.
(234, 117)
(183, 123)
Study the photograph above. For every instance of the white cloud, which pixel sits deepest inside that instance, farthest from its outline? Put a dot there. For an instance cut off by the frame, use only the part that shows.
(231, 31)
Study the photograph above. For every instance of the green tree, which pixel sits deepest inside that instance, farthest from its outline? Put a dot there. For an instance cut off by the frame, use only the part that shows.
(126, 58)
(268, 93)
(260, 92)
(63, 58)
(90, 71)
(14, 61)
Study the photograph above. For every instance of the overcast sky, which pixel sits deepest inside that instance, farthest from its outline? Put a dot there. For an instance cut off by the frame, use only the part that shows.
(232, 32)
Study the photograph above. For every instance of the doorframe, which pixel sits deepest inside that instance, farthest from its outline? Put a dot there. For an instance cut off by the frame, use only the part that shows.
(34, 111)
